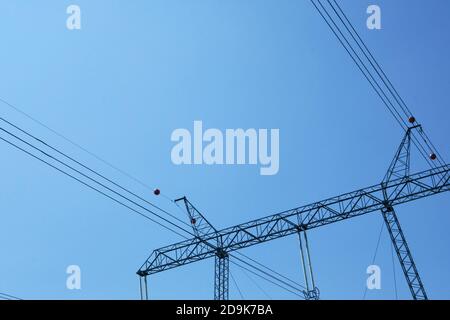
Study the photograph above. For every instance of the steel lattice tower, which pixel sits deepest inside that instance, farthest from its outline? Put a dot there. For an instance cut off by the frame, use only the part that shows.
(397, 187)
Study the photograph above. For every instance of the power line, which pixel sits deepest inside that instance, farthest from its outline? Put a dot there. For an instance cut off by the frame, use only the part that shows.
(6, 296)
(271, 270)
(407, 112)
(269, 275)
(384, 78)
(75, 144)
(365, 73)
(92, 179)
(266, 279)
(256, 284)
(236, 285)
(88, 185)
(91, 170)
(396, 94)
(370, 78)
(375, 254)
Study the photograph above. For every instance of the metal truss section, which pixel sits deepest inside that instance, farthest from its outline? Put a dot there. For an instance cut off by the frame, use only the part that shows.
(199, 223)
(404, 254)
(311, 216)
(311, 292)
(400, 165)
(221, 276)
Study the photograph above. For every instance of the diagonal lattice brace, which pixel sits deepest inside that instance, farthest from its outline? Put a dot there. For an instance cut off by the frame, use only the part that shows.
(400, 165)
(199, 223)
(404, 254)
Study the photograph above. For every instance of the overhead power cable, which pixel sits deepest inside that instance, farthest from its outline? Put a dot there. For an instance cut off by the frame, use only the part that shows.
(5, 296)
(382, 75)
(295, 292)
(256, 284)
(375, 254)
(372, 64)
(370, 77)
(87, 168)
(271, 270)
(77, 145)
(237, 286)
(269, 275)
(121, 202)
(87, 185)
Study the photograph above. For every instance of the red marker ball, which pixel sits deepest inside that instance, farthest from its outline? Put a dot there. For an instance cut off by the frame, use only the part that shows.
(412, 119)
(157, 192)
(433, 156)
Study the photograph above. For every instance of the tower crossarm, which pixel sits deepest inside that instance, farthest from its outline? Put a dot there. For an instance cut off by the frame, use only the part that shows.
(345, 206)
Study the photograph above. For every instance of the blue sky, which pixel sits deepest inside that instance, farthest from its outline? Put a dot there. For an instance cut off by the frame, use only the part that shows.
(140, 69)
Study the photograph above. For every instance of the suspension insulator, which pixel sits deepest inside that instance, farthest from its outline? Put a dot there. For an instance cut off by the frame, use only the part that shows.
(412, 120)
(433, 156)
(156, 192)
(193, 221)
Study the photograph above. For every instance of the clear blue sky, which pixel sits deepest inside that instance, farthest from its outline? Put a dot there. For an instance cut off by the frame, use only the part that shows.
(140, 69)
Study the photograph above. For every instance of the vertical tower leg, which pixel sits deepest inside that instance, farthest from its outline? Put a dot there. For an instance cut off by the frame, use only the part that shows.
(404, 254)
(221, 280)
(311, 292)
(143, 287)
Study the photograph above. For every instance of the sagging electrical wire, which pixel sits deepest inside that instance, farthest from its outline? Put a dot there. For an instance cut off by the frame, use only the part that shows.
(31, 145)
(80, 147)
(256, 284)
(236, 285)
(5, 296)
(295, 291)
(87, 168)
(364, 68)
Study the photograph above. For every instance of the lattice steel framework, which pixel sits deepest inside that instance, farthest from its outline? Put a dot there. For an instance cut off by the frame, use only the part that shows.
(342, 207)
(397, 187)
(311, 292)
(404, 254)
(221, 276)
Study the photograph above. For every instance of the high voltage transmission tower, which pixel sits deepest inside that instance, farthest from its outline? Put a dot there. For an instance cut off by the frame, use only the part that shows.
(398, 186)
